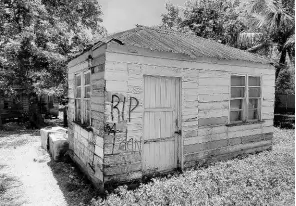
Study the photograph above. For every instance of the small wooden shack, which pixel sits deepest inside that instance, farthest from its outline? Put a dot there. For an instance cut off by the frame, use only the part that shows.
(149, 100)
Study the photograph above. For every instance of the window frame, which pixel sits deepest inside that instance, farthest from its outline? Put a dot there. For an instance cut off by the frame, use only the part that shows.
(79, 98)
(245, 99)
(83, 99)
(86, 99)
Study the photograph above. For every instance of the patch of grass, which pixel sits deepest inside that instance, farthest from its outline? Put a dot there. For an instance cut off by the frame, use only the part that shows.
(266, 178)
(8, 196)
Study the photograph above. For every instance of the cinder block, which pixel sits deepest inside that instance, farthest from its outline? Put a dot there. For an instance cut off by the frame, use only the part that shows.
(44, 134)
(58, 145)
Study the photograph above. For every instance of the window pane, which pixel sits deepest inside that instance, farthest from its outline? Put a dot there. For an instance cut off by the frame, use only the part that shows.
(236, 104)
(87, 118)
(237, 81)
(254, 81)
(87, 105)
(237, 92)
(253, 103)
(253, 114)
(87, 78)
(78, 80)
(254, 91)
(78, 104)
(87, 92)
(235, 116)
(78, 92)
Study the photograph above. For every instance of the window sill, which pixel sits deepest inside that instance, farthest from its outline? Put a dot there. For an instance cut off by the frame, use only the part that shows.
(244, 123)
(84, 126)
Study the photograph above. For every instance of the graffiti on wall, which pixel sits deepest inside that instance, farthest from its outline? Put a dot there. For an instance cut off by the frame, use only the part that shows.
(121, 111)
(115, 101)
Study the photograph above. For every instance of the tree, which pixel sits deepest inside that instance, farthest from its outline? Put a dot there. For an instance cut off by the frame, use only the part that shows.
(38, 36)
(211, 19)
(274, 19)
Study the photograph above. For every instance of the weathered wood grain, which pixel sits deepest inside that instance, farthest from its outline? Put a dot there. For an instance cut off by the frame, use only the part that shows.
(213, 121)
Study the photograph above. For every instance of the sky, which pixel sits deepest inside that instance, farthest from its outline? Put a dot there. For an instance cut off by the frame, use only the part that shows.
(120, 15)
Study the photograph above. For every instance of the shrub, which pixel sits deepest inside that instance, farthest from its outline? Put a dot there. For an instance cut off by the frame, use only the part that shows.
(263, 179)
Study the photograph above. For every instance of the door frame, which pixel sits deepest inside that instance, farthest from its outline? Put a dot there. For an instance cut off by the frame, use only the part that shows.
(179, 141)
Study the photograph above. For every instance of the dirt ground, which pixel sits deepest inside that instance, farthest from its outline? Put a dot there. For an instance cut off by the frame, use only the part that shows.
(28, 175)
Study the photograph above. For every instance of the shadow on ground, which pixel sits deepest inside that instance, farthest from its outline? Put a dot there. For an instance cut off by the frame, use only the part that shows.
(73, 183)
(285, 121)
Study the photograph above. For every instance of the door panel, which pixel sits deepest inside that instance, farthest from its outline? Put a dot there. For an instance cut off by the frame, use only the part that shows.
(161, 121)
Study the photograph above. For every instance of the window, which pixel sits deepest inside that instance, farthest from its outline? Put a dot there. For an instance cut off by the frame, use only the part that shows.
(86, 99)
(245, 100)
(78, 98)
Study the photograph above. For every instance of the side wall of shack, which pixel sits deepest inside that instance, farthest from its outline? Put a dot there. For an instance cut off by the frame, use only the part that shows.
(206, 135)
(87, 143)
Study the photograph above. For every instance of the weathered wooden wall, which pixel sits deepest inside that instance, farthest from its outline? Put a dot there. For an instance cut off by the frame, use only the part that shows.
(215, 139)
(88, 145)
(205, 110)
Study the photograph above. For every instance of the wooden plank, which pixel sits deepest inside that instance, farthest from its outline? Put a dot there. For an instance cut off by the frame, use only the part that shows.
(113, 66)
(213, 105)
(135, 71)
(96, 107)
(123, 177)
(189, 85)
(99, 151)
(79, 67)
(99, 51)
(213, 97)
(99, 60)
(213, 89)
(212, 113)
(98, 84)
(98, 76)
(122, 169)
(268, 82)
(212, 121)
(97, 100)
(124, 158)
(210, 74)
(162, 71)
(116, 86)
(214, 81)
(242, 133)
(212, 130)
(265, 109)
(99, 141)
(116, 76)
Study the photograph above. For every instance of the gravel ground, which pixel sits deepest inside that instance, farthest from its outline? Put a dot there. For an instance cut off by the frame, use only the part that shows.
(28, 176)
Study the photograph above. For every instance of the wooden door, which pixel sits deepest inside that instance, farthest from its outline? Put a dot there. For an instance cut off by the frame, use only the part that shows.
(161, 124)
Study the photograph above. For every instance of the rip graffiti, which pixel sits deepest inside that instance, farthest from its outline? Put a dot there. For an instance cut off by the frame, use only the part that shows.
(115, 101)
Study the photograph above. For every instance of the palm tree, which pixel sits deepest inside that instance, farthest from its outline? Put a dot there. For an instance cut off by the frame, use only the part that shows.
(274, 20)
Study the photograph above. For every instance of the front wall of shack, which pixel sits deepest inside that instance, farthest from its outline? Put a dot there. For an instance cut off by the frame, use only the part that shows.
(205, 111)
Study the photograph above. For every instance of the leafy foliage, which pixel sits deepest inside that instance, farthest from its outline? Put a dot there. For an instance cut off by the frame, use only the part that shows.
(285, 83)
(38, 36)
(275, 20)
(211, 19)
(263, 179)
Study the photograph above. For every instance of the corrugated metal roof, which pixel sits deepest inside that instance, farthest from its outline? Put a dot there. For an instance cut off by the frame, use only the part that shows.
(176, 42)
